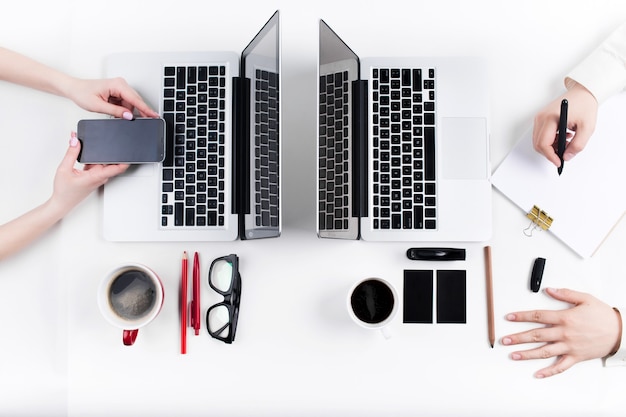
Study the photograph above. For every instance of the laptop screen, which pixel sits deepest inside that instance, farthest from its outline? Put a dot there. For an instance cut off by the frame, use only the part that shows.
(261, 64)
(333, 49)
(338, 208)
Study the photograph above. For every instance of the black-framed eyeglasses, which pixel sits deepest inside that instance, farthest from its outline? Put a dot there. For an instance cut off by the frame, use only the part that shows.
(224, 278)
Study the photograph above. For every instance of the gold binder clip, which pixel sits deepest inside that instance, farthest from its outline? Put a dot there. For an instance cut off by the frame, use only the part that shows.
(539, 219)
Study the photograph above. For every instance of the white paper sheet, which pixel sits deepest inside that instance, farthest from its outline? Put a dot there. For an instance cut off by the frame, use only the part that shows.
(589, 198)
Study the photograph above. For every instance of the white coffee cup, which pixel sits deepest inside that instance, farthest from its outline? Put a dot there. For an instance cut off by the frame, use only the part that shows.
(130, 297)
(372, 303)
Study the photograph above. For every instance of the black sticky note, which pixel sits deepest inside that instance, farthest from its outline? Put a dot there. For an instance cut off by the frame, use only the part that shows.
(451, 294)
(418, 296)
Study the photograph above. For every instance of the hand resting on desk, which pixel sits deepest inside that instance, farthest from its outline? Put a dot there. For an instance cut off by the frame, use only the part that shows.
(589, 329)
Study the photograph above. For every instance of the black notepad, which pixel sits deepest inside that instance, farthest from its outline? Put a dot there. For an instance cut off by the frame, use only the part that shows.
(451, 300)
(418, 296)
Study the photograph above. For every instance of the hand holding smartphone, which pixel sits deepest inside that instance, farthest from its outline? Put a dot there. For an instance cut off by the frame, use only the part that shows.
(120, 141)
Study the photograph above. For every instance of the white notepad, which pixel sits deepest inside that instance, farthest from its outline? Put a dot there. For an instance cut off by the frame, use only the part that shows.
(589, 198)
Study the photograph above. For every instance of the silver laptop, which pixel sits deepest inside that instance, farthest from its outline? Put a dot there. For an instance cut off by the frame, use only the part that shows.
(403, 146)
(221, 175)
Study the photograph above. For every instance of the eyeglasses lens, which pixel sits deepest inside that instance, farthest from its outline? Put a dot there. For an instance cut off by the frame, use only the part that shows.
(222, 275)
(218, 320)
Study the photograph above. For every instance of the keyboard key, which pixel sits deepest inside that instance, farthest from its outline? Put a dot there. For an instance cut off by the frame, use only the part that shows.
(407, 220)
(178, 214)
(191, 75)
(406, 77)
(429, 153)
(169, 139)
(417, 79)
(181, 76)
(418, 217)
(190, 217)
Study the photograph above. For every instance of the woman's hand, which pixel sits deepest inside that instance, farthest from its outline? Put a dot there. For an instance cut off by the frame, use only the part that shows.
(581, 118)
(589, 329)
(111, 96)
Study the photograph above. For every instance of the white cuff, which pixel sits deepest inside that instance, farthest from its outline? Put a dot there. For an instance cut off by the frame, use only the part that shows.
(619, 357)
(603, 72)
(600, 73)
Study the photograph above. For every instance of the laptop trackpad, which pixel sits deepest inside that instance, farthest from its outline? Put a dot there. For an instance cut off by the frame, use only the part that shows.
(464, 147)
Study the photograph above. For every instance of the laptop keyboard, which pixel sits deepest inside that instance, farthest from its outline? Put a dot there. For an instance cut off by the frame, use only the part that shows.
(404, 183)
(193, 171)
(334, 152)
(266, 149)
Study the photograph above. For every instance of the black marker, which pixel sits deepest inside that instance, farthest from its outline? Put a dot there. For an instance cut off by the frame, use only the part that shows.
(537, 274)
(436, 254)
(562, 134)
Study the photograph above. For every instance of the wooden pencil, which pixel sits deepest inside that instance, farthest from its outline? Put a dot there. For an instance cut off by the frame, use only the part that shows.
(489, 278)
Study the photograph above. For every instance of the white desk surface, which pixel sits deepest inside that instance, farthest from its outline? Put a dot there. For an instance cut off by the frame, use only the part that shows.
(297, 352)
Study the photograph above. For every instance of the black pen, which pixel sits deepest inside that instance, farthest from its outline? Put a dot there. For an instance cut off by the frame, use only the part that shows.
(560, 150)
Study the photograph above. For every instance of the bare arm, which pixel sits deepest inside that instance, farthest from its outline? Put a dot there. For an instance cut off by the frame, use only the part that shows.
(18, 69)
(71, 186)
(20, 232)
(110, 96)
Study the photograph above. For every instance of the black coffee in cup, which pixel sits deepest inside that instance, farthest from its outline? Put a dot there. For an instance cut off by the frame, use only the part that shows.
(132, 294)
(372, 301)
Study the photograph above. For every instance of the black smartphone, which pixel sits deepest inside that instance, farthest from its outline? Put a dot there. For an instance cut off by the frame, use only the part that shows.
(113, 141)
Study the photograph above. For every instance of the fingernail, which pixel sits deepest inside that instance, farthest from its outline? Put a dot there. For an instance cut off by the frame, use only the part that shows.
(510, 316)
(568, 156)
(73, 140)
(539, 376)
(516, 356)
(127, 115)
(506, 341)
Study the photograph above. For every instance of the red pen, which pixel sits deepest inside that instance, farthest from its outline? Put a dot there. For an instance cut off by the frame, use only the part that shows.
(195, 303)
(183, 306)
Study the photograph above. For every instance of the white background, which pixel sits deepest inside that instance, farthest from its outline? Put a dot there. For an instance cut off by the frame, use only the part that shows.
(297, 352)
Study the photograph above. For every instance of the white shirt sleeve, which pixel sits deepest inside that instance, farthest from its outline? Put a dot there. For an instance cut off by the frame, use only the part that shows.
(603, 72)
(619, 357)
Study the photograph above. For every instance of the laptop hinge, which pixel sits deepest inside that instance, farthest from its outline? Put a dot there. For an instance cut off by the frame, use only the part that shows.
(359, 148)
(241, 146)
